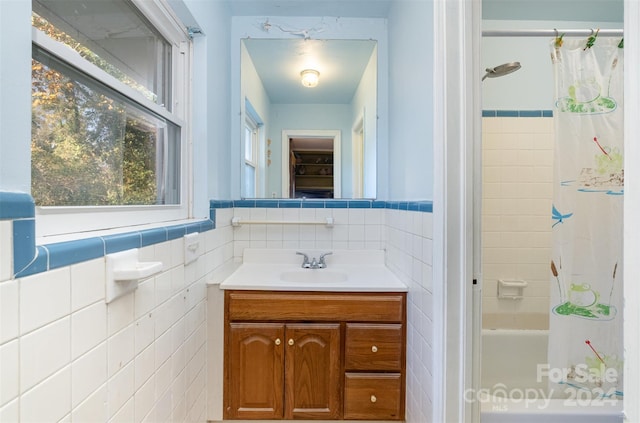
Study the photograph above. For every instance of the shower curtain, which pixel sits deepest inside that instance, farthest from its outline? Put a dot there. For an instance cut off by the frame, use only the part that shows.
(585, 327)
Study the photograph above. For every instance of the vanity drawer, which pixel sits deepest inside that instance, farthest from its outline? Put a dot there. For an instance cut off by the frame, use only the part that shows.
(373, 346)
(373, 396)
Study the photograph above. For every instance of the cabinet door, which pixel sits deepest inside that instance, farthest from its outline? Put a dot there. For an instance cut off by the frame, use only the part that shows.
(255, 371)
(313, 383)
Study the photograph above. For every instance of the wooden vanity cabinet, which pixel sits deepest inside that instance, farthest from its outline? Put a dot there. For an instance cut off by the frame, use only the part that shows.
(314, 355)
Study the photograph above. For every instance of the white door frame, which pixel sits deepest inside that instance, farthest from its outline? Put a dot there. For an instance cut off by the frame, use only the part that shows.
(457, 36)
(357, 155)
(312, 133)
(457, 105)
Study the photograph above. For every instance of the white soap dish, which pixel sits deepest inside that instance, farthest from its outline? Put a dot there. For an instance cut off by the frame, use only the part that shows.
(511, 288)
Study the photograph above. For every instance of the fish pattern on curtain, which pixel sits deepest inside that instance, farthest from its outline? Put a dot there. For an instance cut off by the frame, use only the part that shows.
(585, 325)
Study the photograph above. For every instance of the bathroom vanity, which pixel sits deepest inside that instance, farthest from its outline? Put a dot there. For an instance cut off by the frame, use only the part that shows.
(326, 349)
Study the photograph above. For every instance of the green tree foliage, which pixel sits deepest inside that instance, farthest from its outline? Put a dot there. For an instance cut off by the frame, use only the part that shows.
(87, 148)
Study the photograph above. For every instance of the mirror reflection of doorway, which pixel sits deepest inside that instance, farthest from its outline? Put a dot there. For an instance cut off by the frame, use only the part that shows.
(311, 162)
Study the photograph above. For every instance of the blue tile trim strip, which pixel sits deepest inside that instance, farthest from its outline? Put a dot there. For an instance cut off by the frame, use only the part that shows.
(422, 206)
(517, 113)
(29, 258)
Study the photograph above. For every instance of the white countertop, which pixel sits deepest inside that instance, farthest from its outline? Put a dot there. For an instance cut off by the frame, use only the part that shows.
(346, 271)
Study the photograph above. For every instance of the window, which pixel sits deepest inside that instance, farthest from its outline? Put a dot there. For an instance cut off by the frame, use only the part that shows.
(250, 158)
(108, 125)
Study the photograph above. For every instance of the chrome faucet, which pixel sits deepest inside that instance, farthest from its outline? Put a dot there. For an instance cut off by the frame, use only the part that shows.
(321, 263)
(305, 260)
(313, 264)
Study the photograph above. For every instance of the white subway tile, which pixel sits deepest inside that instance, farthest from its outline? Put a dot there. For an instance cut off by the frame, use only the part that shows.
(9, 311)
(307, 233)
(88, 328)
(44, 297)
(163, 287)
(177, 252)
(10, 412)
(121, 347)
(120, 313)
(144, 399)
(274, 214)
(356, 233)
(291, 232)
(163, 347)
(43, 352)
(341, 216)
(126, 413)
(161, 411)
(258, 232)
(120, 389)
(374, 217)
(145, 297)
(163, 377)
(144, 332)
(87, 283)
(145, 365)
(274, 233)
(49, 401)
(9, 369)
(6, 246)
(88, 373)
(258, 213)
(93, 408)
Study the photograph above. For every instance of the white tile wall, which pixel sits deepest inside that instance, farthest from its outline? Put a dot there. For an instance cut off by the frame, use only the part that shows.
(65, 355)
(409, 244)
(142, 358)
(517, 173)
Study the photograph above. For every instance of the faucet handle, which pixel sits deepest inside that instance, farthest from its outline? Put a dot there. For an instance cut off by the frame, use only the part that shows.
(322, 256)
(305, 261)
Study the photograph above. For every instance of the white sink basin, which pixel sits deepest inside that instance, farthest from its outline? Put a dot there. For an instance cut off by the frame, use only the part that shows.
(313, 276)
(347, 271)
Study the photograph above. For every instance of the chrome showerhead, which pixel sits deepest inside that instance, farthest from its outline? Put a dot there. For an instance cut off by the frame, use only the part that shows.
(501, 70)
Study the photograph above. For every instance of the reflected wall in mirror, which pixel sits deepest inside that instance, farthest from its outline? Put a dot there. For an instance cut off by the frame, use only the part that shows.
(312, 142)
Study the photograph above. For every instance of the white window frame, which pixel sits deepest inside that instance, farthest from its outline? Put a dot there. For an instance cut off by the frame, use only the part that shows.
(254, 128)
(74, 222)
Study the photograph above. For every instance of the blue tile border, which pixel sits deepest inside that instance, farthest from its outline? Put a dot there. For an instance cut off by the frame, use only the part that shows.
(29, 258)
(422, 206)
(517, 113)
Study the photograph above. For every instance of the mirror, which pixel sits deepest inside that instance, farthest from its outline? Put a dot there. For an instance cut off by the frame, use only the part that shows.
(300, 140)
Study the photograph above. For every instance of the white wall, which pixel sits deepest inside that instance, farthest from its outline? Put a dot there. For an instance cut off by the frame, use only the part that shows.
(410, 152)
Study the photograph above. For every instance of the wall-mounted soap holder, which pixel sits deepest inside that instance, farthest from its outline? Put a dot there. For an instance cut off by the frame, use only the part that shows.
(511, 288)
(124, 271)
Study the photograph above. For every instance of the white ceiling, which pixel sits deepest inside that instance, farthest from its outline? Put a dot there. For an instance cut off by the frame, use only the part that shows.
(341, 64)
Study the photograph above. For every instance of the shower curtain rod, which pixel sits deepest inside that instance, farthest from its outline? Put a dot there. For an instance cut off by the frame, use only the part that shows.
(551, 32)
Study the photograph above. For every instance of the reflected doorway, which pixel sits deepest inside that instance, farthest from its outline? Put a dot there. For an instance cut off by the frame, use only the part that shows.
(311, 164)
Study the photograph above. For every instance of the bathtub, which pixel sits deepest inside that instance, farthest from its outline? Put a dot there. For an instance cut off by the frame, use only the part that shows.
(510, 390)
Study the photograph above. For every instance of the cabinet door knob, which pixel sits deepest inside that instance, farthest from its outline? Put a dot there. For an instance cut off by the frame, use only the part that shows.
(373, 398)
(278, 341)
(374, 348)
(291, 341)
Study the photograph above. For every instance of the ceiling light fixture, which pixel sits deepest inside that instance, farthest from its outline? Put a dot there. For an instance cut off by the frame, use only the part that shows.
(310, 77)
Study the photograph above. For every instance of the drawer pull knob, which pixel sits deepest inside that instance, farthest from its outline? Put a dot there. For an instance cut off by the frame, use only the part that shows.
(278, 341)
(373, 398)
(374, 349)
(291, 341)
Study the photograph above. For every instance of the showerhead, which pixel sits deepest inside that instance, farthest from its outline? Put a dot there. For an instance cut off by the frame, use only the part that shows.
(501, 70)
